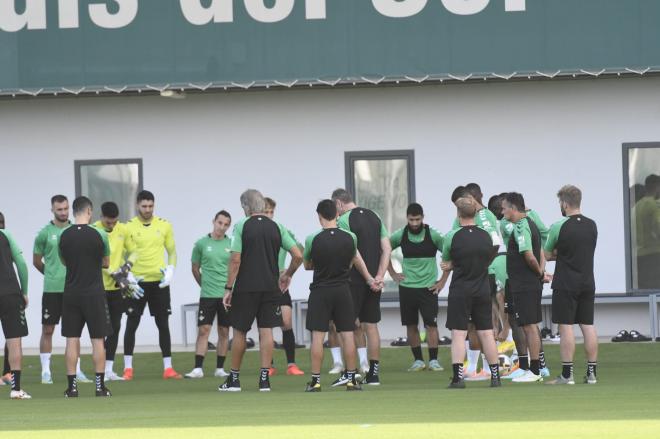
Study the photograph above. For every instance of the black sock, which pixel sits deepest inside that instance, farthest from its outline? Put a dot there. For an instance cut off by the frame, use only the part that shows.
(567, 370)
(591, 367)
(6, 367)
(433, 354)
(316, 379)
(542, 360)
(458, 372)
(100, 381)
(373, 367)
(535, 366)
(263, 375)
(289, 342)
(350, 375)
(494, 371)
(523, 362)
(73, 382)
(417, 353)
(16, 380)
(233, 374)
(220, 362)
(199, 361)
(164, 338)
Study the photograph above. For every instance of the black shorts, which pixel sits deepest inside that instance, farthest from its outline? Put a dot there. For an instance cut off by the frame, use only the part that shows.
(263, 306)
(79, 310)
(51, 308)
(508, 301)
(208, 309)
(116, 303)
(492, 282)
(12, 316)
(573, 307)
(528, 305)
(330, 304)
(366, 303)
(285, 299)
(157, 298)
(463, 309)
(415, 301)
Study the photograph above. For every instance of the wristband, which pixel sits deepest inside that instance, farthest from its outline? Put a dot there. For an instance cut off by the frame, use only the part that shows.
(228, 288)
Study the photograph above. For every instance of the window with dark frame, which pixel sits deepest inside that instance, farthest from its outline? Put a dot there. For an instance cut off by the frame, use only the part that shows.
(383, 181)
(117, 180)
(641, 193)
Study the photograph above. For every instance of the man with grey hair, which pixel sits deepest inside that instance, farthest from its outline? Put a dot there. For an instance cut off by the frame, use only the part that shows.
(254, 284)
(373, 243)
(572, 243)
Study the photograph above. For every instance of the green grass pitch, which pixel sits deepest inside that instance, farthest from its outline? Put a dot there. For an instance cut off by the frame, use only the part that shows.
(625, 403)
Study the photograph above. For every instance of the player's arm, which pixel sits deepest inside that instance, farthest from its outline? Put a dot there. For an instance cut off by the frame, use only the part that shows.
(550, 247)
(385, 256)
(19, 261)
(307, 253)
(234, 263)
(197, 274)
(289, 244)
(361, 267)
(446, 264)
(395, 242)
(38, 252)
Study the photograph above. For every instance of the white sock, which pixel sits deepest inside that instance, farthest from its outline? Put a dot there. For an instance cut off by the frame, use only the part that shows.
(108, 366)
(336, 355)
(128, 362)
(362, 353)
(510, 336)
(167, 362)
(484, 363)
(78, 371)
(45, 362)
(473, 359)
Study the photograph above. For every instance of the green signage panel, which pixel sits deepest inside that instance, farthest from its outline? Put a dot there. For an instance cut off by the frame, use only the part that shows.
(70, 44)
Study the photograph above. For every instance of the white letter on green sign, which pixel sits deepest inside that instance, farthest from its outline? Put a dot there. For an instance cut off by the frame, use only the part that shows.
(465, 7)
(258, 10)
(399, 9)
(34, 16)
(127, 12)
(219, 11)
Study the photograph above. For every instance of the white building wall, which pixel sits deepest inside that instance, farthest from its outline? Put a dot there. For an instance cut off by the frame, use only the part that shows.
(201, 152)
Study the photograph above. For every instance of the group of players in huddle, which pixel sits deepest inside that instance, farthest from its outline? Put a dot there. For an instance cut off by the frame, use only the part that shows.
(94, 273)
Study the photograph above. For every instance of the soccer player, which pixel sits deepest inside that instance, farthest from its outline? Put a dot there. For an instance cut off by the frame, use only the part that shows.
(152, 236)
(46, 260)
(506, 228)
(468, 251)
(6, 370)
(485, 219)
(374, 246)
(525, 265)
(572, 243)
(13, 300)
(120, 247)
(331, 252)
(417, 294)
(210, 260)
(254, 284)
(288, 337)
(85, 251)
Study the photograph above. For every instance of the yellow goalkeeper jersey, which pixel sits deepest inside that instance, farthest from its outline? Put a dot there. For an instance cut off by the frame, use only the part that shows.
(151, 239)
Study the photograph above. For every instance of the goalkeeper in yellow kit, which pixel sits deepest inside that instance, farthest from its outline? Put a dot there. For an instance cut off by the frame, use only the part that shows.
(152, 236)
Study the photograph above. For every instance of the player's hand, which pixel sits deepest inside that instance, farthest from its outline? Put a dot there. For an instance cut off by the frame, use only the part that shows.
(547, 278)
(398, 277)
(285, 282)
(226, 300)
(501, 336)
(134, 288)
(446, 266)
(168, 274)
(373, 285)
(120, 279)
(437, 287)
(378, 285)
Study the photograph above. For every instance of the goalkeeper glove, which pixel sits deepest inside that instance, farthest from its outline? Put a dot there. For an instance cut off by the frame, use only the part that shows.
(168, 274)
